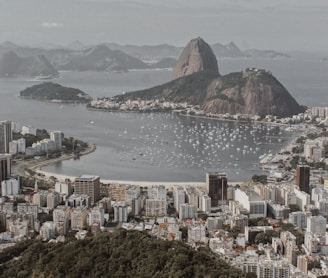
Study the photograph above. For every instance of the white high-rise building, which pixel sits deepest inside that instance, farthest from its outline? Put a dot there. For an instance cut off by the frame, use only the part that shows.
(179, 197)
(63, 188)
(273, 269)
(61, 217)
(96, 215)
(120, 212)
(23, 208)
(28, 130)
(47, 231)
(57, 137)
(187, 211)
(17, 146)
(79, 218)
(157, 192)
(10, 187)
(316, 225)
(298, 219)
(250, 200)
(53, 199)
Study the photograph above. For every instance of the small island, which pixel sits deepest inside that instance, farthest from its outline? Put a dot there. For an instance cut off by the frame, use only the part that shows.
(53, 92)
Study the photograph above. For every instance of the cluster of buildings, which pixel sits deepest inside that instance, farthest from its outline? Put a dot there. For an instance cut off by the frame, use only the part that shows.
(139, 105)
(217, 214)
(314, 150)
(8, 145)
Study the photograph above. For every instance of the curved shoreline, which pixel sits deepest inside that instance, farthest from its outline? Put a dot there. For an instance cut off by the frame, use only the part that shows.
(36, 165)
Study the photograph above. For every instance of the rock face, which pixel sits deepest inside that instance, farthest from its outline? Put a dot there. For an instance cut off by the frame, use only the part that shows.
(197, 56)
(253, 91)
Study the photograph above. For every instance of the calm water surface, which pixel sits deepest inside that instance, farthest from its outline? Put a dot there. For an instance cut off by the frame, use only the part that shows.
(162, 147)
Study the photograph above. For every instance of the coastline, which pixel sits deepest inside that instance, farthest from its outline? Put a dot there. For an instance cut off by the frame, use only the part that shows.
(37, 164)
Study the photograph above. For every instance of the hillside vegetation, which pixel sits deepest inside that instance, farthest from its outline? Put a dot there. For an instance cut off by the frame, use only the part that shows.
(118, 254)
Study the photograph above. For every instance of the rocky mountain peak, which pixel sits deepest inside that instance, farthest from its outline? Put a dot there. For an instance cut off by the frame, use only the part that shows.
(196, 56)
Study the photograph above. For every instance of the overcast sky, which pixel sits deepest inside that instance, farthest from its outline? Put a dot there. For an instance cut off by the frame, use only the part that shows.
(262, 24)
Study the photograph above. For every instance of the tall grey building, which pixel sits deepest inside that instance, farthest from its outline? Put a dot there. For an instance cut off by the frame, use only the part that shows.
(5, 167)
(5, 136)
(57, 137)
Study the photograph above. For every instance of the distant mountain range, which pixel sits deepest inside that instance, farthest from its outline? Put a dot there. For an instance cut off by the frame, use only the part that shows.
(47, 59)
(35, 66)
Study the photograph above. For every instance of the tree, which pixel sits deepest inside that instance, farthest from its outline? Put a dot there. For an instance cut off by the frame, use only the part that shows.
(266, 237)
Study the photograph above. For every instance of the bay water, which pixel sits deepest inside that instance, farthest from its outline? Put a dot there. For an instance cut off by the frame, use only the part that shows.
(163, 146)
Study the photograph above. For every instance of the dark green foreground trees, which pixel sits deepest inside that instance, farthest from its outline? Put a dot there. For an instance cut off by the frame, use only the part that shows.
(119, 254)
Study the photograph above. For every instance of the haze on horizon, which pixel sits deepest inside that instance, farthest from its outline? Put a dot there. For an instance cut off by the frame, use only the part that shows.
(281, 25)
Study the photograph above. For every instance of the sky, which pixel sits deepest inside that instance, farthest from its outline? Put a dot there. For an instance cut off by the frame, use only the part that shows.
(263, 24)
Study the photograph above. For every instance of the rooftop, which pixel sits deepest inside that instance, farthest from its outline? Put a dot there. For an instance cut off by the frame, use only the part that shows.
(87, 177)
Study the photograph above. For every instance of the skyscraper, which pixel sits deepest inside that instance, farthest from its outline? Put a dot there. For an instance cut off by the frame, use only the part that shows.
(5, 136)
(5, 167)
(57, 137)
(89, 185)
(303, 178)
(217, 187)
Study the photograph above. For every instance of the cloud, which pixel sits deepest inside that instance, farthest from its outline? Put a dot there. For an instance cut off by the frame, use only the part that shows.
(50, 25)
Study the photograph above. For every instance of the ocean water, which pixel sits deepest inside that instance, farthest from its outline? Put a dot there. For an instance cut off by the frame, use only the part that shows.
(162, 147)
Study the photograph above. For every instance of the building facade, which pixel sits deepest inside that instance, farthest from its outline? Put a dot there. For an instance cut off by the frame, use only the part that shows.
(89, 185)
(217, 187)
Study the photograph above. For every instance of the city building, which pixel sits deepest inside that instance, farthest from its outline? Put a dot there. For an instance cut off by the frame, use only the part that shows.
(28, 130)
(53, 199)
(61, 219)
(251, 201)
(273, 269)
(155, 207)
(217, 188)
(10, 187)
(23, 208)
(197, 234)
(157, 192)
(47, 230)
(179, 197)
(316, 225)
(303, 178)
(131, 192)
(57, 137)
(120, 212)
(79, 218)
(214, 223)
(90, 185)
(63, 188)
(78, 200)
(17, 146)
(5, 136)
(5, 166)
(96, 215)
(298, 219)
(187, 211)
(40, 198)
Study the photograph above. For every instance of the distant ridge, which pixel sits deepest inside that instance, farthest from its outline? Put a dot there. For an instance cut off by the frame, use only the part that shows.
(36, 66)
